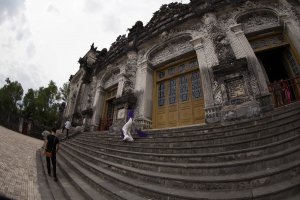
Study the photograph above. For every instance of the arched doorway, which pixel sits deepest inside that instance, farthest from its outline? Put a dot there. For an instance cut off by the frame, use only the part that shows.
(280, 62)
(107, 117)
(268, 36)
(178, 98)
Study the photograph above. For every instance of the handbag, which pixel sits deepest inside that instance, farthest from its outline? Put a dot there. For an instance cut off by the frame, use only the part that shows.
(49, 154)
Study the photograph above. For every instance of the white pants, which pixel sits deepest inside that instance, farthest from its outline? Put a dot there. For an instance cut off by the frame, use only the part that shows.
(127, 131)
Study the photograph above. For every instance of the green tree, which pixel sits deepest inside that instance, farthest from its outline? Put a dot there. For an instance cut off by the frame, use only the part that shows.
(42, 105)
(65, 90)
(10, 94)
(29, 104)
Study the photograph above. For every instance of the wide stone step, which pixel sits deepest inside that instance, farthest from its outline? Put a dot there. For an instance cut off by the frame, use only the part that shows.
(212, 185)
(73, 185)
(187, 136)
(265, 119)
(92, 182)
(224, 168)
(197, 158)
(279, 135)
(55, 190)
(201, 139)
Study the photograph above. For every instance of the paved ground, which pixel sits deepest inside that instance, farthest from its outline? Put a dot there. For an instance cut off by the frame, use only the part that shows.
(18, 167)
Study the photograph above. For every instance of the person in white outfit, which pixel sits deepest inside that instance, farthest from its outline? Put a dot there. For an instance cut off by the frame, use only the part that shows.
(67, 127)
(127, 130)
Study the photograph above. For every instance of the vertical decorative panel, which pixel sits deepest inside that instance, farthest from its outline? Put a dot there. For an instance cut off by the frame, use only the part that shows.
(183, 88)
(172, 91)
(161, 94)
(196, 86)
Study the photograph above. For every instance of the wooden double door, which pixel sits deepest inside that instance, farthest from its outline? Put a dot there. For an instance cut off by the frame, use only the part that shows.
(178, 97)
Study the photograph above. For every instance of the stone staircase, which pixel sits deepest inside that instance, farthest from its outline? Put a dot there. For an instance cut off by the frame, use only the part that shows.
(256, 159)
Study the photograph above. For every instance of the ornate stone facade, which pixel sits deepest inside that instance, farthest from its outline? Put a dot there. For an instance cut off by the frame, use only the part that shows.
(218, 33)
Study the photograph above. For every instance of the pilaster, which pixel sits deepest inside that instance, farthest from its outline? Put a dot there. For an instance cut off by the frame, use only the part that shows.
(253, 63)
(204, 71)
(292, 30)
(98, 106)
(144, 91)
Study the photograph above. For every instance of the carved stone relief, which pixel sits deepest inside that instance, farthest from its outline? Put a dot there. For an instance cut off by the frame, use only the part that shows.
(141, 56)
(257, 15)
(130, 72)
(269, 41)
(259, 20)
(253, 83)
(218, 100)
(111, 80)
(218, 36)
(235, 88)
(193, 27)
(171, 50)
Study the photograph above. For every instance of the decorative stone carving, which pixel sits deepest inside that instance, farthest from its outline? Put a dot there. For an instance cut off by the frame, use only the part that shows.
(258, 20)
(218, 36)
(130, 72)
(122, 40)
(217, 93)
(166, 12)
(269, 41)
(171, 49)
(235, 88)
(242, 111)
(252, 81)
(112, 79)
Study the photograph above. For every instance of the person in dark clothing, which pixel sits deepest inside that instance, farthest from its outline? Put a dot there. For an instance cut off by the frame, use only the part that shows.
(52, 145)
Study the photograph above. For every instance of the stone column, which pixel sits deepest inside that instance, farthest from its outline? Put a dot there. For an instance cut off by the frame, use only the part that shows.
(262, 95)
(144, 91)
(98, 107)
(121, 81)
(254, 65)
(74, 107)
(204, 72)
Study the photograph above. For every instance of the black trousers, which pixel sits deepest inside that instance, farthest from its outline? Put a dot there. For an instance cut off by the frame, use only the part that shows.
(53, 161)
(67, 136)
(67, 133)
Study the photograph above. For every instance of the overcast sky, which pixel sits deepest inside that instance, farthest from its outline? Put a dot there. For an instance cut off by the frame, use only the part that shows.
(43, 40)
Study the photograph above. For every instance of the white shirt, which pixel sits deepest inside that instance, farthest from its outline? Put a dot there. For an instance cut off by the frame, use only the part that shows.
(68, 124)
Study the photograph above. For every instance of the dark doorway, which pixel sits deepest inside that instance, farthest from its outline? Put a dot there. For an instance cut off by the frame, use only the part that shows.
(273, 63)
(107, 120)
(110, 109)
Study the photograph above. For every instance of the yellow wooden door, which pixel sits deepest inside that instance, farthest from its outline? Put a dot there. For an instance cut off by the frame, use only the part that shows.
(178, 99)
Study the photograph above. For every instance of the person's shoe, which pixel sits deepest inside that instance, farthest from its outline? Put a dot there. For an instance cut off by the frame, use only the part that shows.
(55, 179)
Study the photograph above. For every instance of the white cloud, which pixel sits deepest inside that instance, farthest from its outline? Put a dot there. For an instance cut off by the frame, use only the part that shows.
(53, 9)
(10, 9)
(42, 41)
(92, 6)
(30, 50)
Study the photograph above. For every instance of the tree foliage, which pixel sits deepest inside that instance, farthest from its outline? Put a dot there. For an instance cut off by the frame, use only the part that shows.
(42, 105)
(10, 94)
(65, 90)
